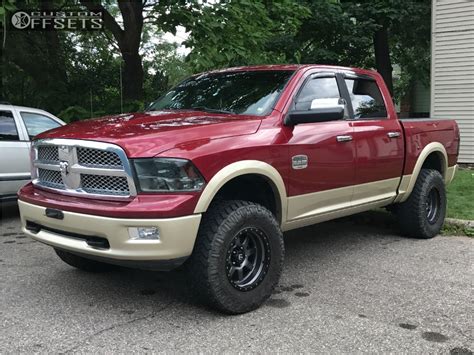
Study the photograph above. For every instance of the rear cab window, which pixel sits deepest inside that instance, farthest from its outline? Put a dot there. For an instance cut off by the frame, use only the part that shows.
(8, 129)
(366, 99)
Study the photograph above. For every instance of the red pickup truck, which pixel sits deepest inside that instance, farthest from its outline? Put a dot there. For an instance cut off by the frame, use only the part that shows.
(213, 172)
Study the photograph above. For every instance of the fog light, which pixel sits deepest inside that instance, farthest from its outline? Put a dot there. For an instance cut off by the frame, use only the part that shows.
(144, 233)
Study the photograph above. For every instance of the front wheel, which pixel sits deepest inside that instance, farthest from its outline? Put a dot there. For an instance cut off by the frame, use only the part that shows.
(422, 214)
(238, 256)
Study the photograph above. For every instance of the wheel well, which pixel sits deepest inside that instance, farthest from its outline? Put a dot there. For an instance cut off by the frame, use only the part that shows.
(254, 188)
(434, 161)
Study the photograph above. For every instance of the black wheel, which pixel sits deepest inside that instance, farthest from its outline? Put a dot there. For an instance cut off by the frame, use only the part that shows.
(422, 215)
(238, 256)
(83, 263)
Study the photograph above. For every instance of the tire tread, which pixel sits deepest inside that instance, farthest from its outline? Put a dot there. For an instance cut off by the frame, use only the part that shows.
(411, 213)
(217, 220)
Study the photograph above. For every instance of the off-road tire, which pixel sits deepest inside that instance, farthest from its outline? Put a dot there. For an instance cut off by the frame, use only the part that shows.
(414, 214)
(207, 268)
(81, 263)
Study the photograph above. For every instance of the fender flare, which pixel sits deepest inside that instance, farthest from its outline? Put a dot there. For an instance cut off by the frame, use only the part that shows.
(237, 169)
(408, 181)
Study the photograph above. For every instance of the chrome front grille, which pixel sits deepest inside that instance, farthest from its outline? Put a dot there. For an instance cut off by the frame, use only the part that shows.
(83, 168)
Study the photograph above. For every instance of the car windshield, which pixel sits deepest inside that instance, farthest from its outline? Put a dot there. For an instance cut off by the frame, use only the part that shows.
(238, 92)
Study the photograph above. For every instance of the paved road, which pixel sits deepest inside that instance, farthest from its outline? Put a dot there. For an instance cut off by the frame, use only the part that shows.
(349, 285)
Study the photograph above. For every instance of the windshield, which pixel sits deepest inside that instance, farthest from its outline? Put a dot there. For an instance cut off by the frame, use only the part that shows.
(239, 92)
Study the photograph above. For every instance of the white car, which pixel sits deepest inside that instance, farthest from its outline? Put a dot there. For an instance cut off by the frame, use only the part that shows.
(18, 126)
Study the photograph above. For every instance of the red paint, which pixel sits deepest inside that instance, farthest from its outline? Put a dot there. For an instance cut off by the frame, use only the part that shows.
(213, 141)
(331, 163)
(420, 133)
(378, 157)
(142, 206)
(147, 134)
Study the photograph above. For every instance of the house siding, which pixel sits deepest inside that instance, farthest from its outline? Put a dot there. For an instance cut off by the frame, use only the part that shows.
(452, 68)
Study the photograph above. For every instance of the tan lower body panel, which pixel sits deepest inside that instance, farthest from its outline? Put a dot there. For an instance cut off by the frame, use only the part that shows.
(323, 217)
(403, 188)
(177, 235)
(329, 202)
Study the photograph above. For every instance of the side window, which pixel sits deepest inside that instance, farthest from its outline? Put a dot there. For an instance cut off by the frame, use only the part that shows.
(317, 92)
(36, 123)
(8, 131)
(366, 98)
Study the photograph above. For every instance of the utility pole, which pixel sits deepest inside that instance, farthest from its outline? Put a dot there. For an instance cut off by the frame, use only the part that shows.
(121, 88)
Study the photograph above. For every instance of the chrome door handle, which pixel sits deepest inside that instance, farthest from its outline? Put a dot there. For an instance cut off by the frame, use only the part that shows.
(343, 138)
(393, 134)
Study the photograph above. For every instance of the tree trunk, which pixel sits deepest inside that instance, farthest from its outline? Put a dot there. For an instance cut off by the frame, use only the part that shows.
(382, 56)
(132, 76)
(128, 40)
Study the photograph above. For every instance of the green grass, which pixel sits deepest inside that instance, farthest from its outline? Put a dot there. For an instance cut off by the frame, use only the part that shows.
(457, 230)
(461, 195)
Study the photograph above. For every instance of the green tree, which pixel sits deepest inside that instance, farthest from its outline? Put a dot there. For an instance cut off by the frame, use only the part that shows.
(128, 31)
(56, 70)
(34, 54)
(400, 30)
(375, 33)
(330, 35)
(231, 33)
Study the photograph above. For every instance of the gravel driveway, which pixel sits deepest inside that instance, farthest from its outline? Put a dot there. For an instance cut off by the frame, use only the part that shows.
(348, 285)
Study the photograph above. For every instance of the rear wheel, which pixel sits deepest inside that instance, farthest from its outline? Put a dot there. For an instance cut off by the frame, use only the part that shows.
(238, 256)
(83, 263)
(422, 214)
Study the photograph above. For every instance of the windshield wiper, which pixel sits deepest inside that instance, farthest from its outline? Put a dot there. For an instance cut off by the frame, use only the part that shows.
(208, 109)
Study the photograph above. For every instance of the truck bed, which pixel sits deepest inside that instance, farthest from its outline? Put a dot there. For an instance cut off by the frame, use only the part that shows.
(419, 132)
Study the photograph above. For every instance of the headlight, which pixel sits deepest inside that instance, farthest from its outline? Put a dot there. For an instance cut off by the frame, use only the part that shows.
(167, 175)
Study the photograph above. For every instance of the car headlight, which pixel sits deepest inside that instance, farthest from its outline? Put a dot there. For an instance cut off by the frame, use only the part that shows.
(167, 175)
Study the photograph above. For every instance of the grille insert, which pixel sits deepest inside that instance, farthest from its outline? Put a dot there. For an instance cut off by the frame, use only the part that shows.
(98, 158)
(48, 153)
(105, 185)
(51, 178)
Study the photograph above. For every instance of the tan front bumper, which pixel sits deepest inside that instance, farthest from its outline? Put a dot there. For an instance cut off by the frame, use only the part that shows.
(177, 235)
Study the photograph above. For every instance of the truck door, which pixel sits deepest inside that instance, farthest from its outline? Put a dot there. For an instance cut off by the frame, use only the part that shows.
(14, 155)
(322, 154)
(378, 138)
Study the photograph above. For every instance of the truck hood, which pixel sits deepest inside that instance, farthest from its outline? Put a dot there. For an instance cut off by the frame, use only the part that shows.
(147, 134)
